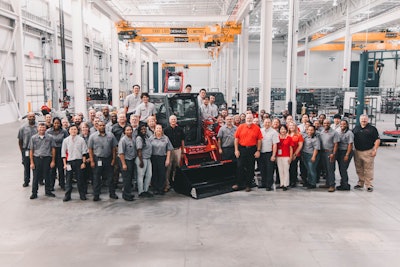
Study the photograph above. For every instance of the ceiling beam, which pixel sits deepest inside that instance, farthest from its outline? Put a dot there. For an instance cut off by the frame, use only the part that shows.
(387, 17)
(107, 11)
(337, 14)
(161, 18)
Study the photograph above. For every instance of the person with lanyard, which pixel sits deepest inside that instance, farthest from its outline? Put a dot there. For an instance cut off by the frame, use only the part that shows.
(284, 156)
(132, 101)
(226, 139)
(267, 158)
(87, 172)
(177, 137)
(310, 156)
(74, 152)
(42, 158)
(127, 154)
(247, 144)
(329, 146)
(118, 130)
(25, 134)
(58, 134)
(366, 143)
(102, 152)
(143, 162)
(344, 154)
(160, 159)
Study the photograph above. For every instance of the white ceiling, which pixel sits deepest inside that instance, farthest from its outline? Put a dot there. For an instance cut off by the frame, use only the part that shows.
(330, 14)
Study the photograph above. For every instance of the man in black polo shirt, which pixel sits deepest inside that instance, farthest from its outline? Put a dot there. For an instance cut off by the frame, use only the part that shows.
(366, 143)
(177, 138)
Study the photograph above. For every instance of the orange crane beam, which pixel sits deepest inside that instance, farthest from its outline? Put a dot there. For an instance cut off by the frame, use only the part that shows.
(182, 39)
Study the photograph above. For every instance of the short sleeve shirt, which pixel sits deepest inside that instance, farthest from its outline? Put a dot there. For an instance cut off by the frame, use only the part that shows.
(248, 136)
(145, 111)
(102, 145)
(284, 146)
(270, 137)
(364, 138)
(329, 138)
(25, 134)
(160, 146)
(73, 148)
(175, 135)
(145, 147)
(346, 138)
(58, 136)
(227, 135)
(132, 102)
(311, 143)
(127, 146)
(42, 145)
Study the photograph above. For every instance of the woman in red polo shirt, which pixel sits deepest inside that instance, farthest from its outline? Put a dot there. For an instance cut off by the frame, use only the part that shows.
(284, 156)
(298, 141)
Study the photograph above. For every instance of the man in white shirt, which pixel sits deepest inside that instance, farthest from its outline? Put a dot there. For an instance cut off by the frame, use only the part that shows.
(214, 108)
(132, 101)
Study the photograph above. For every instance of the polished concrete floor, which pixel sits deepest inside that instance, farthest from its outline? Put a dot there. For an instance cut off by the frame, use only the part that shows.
(293, 228)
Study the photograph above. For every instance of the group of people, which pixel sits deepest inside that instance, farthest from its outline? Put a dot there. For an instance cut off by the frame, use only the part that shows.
(313, 146)
(130, 144)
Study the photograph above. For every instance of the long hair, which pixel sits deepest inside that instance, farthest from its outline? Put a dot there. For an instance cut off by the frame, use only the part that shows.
(140, 134)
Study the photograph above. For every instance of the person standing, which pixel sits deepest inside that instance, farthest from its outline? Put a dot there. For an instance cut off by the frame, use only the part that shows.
(201, 96)
(329, 146)
(344, 154)
(102, 152)
(247, 144)
(58, 134)
(310, 156)
(177, 138)
(42, 158)
(74, 152)
(146, 108)
(213, 106)
(25, 134)
(132, 101)
(226, 139)
(143, 162)
(284, 156)
(127, 155)
(298, 141)
(160, 159)
(266, 162)
(366, 143)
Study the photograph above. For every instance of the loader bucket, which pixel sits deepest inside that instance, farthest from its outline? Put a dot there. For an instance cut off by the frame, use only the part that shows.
(207, 179)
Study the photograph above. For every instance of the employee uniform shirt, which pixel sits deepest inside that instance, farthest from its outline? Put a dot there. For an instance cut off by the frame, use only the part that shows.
(284, 146)
(145, 111)
(346, 138)
(336, 127)
(213, 110)
(73, 148)
(25, 134)
(206, 111)
(127, 146)
(132, 102)
(297, 138)
(160, 146)
(118, 131)
(364, 138)
(227, 135)
(42, 145)
(270, 137)
(175, 135)
(328, 139)
(102, 145)
(58, 136)
(248, 136)
(311, 143)
(144, 146)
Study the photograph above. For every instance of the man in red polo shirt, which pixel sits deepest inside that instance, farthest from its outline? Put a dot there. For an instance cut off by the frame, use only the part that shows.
(248, 140)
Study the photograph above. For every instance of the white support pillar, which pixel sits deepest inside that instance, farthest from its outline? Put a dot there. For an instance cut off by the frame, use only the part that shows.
(229, 63)
(138, 64)
(20, 61)
(265, 55)
(78, 56)
(115, 67)
(307, 52)
(347, 53)
(292, 54)
(151, 70)
(244, 64)
(55, 54)
(222, 72)
(160, 77)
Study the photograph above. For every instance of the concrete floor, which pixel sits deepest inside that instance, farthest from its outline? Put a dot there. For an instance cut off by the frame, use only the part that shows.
(293, 228)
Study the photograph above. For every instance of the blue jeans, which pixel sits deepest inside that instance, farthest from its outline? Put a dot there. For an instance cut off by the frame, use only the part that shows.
(311, 167)
(343, 166)
(329, 167)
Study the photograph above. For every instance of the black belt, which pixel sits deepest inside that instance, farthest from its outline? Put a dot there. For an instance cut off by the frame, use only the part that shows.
(42, 157)
(248, 147)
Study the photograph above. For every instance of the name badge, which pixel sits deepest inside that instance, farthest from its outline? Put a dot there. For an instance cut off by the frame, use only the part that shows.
(69, 168)
(99, 163)
(279, 151)
(27, 153)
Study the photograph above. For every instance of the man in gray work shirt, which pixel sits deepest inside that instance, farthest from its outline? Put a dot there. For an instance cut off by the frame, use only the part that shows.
(226, 139)
(42, 157)
(102, 152)
(25, 134)
(146, 108)
(329, 146)
(132, 101)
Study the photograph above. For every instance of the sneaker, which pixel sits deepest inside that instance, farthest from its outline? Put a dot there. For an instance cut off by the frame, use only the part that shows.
(67, 198)
(33, 196)
(370, 189)
(113, 196)
(149, 194)
(284, 188)
(96, 198)
(342, 188)
(143, 194)
(25, 185)
(50, 194)
(358, 187)
(331, 189)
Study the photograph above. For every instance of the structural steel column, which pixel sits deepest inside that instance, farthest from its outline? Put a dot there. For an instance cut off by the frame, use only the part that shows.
(292, 56)
(78, 56)
(265, 55)
(362, 81)
(307, 52)
(229, 61)
(138, 64)
(115, 67)
(151, 69)
(20, 62)
(244, 64)
(347, 53)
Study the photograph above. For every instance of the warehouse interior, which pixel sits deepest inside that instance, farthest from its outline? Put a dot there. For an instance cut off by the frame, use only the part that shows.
(71, 55)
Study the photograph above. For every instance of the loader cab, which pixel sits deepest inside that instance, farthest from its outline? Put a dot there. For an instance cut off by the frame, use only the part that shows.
(185, 108)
